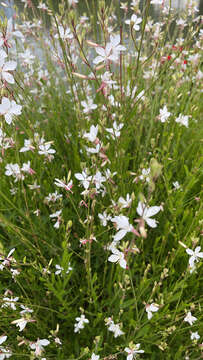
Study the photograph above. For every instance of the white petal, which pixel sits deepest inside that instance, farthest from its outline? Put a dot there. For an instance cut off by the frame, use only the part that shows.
(140, 208)
(151, 222)
(113, 258)
(123, 263)
(2, 339)
(152, 211)
(97, 60)
(120, 235)
(8, 77)
(10, 65)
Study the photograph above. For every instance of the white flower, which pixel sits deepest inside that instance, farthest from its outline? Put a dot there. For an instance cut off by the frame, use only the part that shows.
(194, 255)
(9, 108)
(150, 308)
(25, 310)
(125, 203)
(110, 52)
(62, 184)
(88, 105)
(9, 302)
(27, 146)
(38, 346)
(104, 218)
(95, 150)
(95, 357)
(133, 352)
(115, 131)
(80, 323)
(56, 215)
(4, 352)
(98, 179)
(122, 223)
(53, 197)
(92, 135)
(189, 318)
(27, 169)
(135, 21)
(64, 34)
(115, 328)
(60, 269)
(45, 149)
(21, 323)
(84, 178)
(145, 173)
(182, 119)
(117, 256)
(146, 212)
(164, 114)
(5, 67)
(176, 185)
(194, 336)
(15, 171)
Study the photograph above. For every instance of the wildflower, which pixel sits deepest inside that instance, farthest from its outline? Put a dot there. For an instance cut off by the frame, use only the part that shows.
(118, 256)
(84, 178)
(44, 149)
(21, 323)
(4, 352)
(95, 150)
(125, 203)
(176, 185)
(80, 323)
(9, 302)
(34, 186)
(95, 357)
(8, 259)
(110, 52)
(56, 215)
(135, 21)
(38, 346)
(98, 179)
(133, 351)
(15, 171)
(194, 255)
(146, 212)
(25, 310)
(115, 328)
(5, 67)
(122, 223)
(59, 269)
(144, 175)
(104, 218)
(115, 131)
(27, 169)
(27, 146)
(62, 184)
(64, 34)
(194, 336)
(189, 318)
(92, 135)
(150, 309)
(164, 114)
(182, 119)
(53, 197)
(9, 109)
(88, 105)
